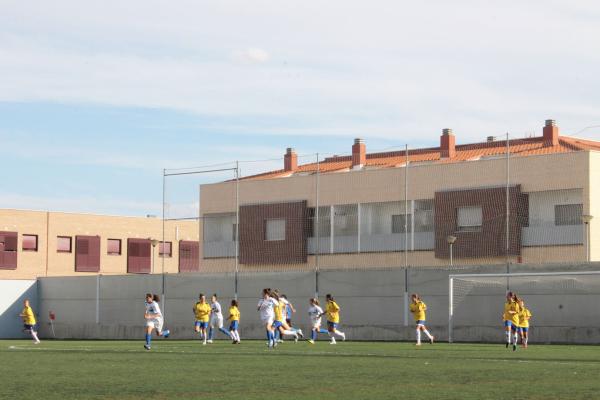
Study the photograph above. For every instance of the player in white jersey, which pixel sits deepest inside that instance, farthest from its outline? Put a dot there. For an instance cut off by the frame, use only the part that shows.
(266, 308)
(154, 319)
(216, 319)
(315, 312)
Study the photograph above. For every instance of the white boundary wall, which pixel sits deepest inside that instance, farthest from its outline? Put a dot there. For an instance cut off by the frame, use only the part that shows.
(12, 294)
(373, 303)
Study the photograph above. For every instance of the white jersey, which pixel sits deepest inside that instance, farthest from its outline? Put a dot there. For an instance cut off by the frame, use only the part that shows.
(266, 308)
(314, 312)
(153, 308)
(215, 309)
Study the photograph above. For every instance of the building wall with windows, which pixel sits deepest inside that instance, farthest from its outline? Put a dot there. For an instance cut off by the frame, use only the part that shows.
(39, 243)
(362, 213)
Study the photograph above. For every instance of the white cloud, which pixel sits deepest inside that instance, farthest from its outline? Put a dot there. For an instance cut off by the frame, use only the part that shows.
(251, 55)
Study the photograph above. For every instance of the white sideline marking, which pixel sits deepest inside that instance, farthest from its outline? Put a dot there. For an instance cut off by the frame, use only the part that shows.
(276, 352)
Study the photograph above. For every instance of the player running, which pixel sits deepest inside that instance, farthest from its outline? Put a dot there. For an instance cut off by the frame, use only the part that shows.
(202, 314)
(29, 323)
(216, 319)
(154, 319)
(279, 323)
(511, 319)
(234, 318)
(315, 312)
(524, 316)
(418, 308)
(266, 308)
(332, 309)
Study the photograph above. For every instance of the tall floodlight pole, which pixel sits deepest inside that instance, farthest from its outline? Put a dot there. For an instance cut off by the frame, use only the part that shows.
(317, 236)
(237, 226)
(507, 200)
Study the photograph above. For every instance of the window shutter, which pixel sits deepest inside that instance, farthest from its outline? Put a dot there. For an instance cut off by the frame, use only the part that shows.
(87, 253)
(189, 256)
(8, 250)
(139, 256)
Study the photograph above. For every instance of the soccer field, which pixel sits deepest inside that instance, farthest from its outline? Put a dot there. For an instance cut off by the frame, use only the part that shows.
(348, 370)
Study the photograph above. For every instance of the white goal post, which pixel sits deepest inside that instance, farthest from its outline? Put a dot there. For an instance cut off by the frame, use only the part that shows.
(457, 293)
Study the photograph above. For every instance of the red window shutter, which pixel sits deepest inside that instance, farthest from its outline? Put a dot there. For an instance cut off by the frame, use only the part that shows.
(87, 253)
(139, 256)
(8, 250)
(189, 256)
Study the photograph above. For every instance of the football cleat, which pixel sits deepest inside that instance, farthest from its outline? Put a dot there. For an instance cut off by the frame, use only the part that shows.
(147, 346)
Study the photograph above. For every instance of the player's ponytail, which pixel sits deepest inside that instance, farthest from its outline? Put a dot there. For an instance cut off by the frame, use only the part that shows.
(156, 298)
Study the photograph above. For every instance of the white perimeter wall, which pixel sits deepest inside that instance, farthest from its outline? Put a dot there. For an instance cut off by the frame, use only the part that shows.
(12, 294)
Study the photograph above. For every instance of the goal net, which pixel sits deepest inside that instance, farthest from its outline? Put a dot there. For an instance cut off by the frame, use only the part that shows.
(562, 303)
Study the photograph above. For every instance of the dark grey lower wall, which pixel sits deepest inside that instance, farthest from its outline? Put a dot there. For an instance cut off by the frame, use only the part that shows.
(372, 302)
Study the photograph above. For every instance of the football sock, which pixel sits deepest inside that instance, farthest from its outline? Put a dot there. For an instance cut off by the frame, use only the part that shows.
(427, 333)
(225, 331)
(508, 337)
(313, 335)
(516, 338)
(148, 338)
(323, 331)
(210, 333)
(34, 335)
(418, 336)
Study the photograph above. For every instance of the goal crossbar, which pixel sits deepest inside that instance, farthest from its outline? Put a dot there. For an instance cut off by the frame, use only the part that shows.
(452, 277)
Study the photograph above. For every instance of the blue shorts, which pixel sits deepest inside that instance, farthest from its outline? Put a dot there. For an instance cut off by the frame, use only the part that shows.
(421, 322)
(523, 329)
(515, 328)
(201, 324)
(508, 323)
(30, 327)
(277, 324)
(332, 325)
(234, 325)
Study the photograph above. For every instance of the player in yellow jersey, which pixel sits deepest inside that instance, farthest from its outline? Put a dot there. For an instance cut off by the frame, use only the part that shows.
(29, 323)
(524, 316)
(281, 327)
(234, 321)
(332, 310)
(418, 308)
(202, 314)
(511, 319)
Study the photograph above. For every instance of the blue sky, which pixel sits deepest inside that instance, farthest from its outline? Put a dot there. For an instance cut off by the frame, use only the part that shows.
(96, 99)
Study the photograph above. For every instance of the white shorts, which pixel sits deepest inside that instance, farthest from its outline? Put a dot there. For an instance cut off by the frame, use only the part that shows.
(268, 320)
(216, 322)
(156, 323)
(316, 324)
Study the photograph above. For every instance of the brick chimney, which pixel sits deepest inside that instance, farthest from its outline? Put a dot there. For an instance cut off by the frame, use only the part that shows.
(359, 153)
(551, 133)
(290, 160)
(447, 144)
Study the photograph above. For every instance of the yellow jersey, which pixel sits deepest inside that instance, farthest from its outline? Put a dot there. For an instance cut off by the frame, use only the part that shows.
(418, 310)
(333, 312)
(524, 316)
(278, 311)
(202, 312)
(512, 306)
(234, 313)
(28, 316)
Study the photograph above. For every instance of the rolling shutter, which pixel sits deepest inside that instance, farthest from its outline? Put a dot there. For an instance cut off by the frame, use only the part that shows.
(8, 250)
(87, 253)
(139, 256)
(189, 256)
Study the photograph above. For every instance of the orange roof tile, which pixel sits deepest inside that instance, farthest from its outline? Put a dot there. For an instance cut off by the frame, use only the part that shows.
(465, 152)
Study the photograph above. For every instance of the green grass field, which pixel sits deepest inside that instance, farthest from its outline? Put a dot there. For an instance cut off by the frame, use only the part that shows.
(349, 370)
